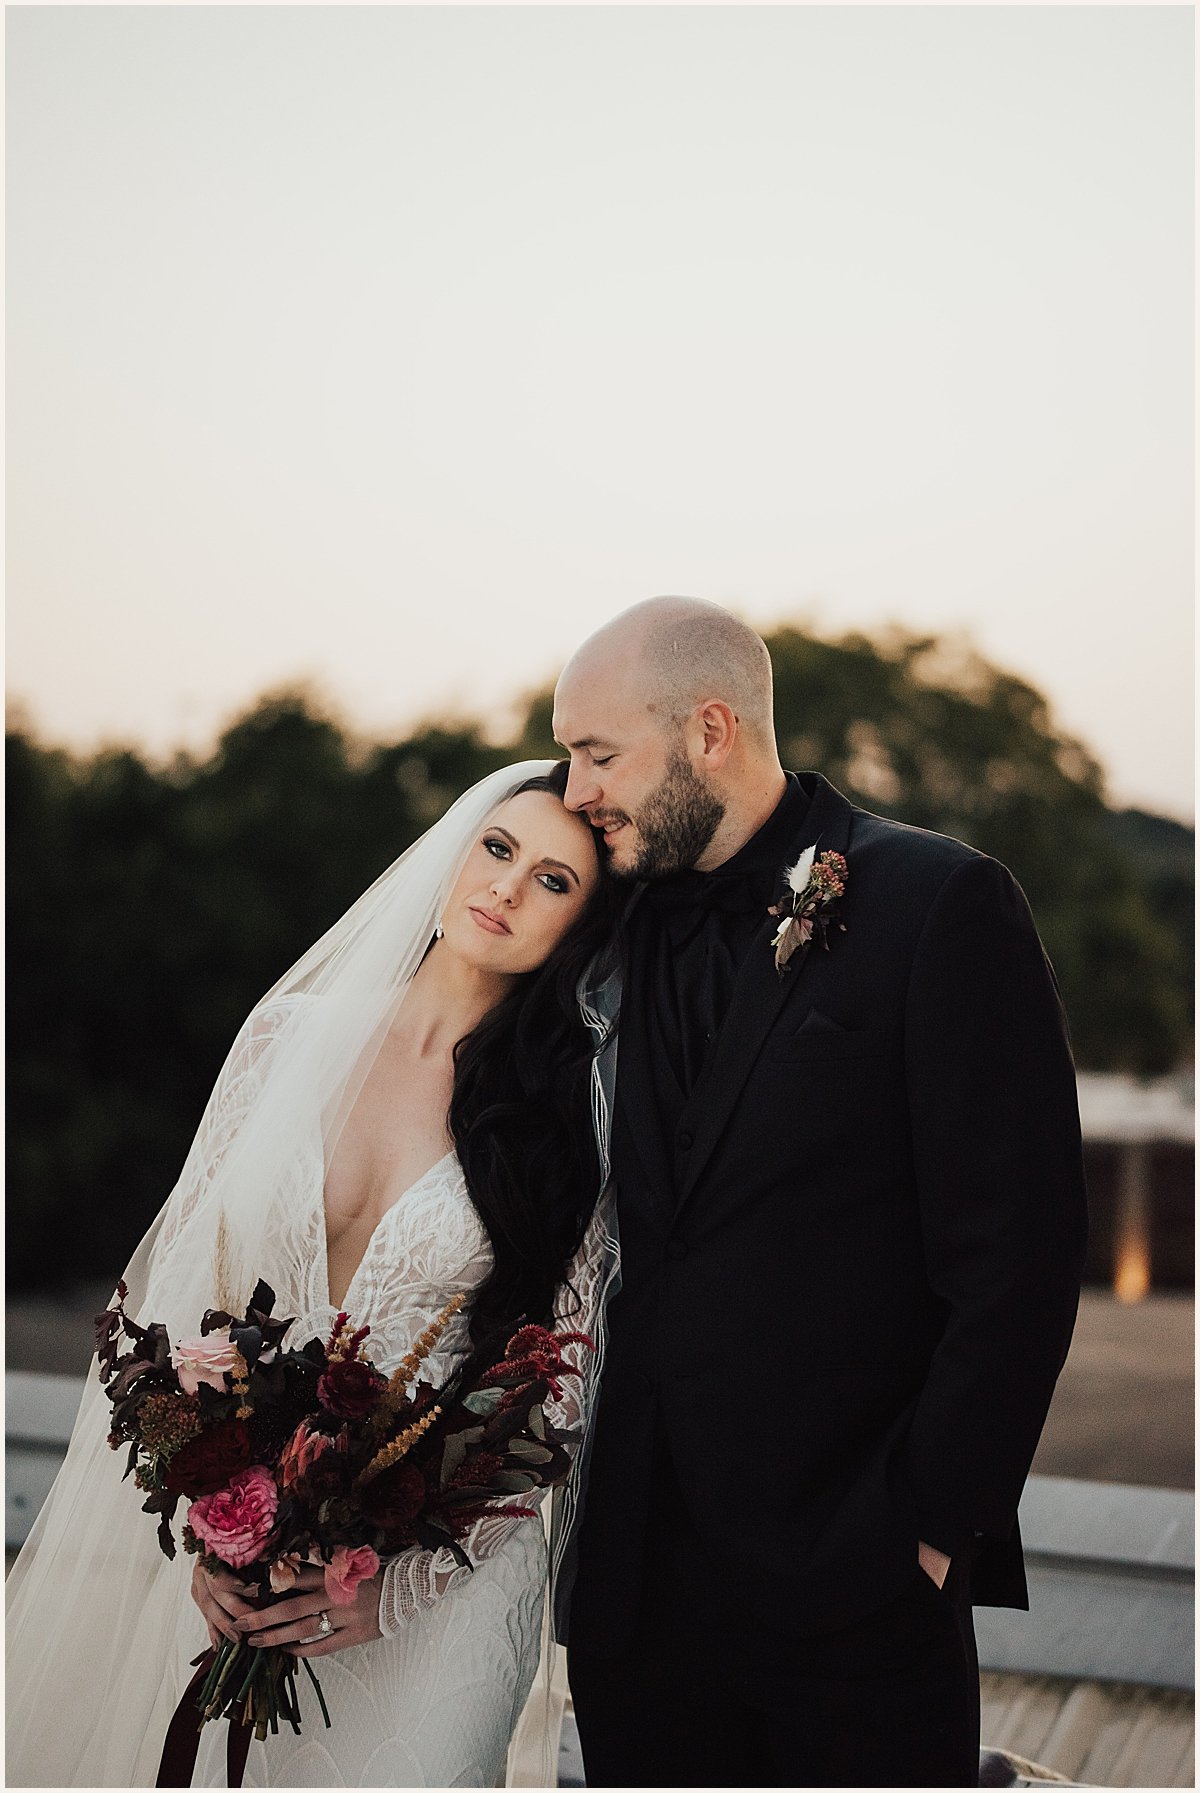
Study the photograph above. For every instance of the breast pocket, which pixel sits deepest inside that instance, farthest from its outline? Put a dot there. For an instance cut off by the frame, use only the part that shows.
(821, 1040)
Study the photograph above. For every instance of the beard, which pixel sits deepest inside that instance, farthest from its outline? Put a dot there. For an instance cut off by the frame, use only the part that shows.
(676, 822)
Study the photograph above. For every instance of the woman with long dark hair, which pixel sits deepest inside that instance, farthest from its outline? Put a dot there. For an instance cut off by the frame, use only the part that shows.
(418, 1110)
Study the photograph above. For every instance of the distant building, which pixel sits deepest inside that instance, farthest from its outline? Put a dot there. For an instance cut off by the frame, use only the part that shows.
(1139, 1144)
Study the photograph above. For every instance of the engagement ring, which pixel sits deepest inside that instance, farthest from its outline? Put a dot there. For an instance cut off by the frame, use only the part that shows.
(324, 1629)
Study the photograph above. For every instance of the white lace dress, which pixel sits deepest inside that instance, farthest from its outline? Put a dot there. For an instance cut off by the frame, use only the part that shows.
(434, 1702)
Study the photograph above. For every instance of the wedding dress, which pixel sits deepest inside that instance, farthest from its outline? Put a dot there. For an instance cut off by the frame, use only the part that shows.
(434, 1701)
(101, 1626)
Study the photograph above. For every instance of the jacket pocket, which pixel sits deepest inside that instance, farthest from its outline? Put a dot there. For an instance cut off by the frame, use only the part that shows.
(813, 1045)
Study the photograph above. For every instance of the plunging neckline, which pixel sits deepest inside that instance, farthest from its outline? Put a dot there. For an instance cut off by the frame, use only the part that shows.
(342, 1305)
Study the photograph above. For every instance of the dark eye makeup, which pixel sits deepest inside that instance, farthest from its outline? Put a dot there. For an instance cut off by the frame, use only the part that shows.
(500, 849)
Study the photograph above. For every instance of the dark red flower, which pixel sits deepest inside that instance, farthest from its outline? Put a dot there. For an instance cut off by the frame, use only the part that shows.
(328, 1476)
(350, 1388)
(533, 1352)
(395, 1497)
(206, 1464)
(477, 1471)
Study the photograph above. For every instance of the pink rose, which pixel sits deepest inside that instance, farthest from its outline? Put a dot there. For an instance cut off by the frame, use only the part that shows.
(347, 1569)
(205, 1360)
(235, 1523)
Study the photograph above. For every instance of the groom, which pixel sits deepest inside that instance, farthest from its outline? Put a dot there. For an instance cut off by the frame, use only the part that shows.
(851, 1208)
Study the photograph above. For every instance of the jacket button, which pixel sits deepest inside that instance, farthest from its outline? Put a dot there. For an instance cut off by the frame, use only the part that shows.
(685, 1140)
(676, 1249)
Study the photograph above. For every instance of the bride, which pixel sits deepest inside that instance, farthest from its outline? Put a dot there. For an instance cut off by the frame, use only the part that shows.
(354, 1159)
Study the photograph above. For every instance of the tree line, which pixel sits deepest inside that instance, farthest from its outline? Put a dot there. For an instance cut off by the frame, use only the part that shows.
(149, 906)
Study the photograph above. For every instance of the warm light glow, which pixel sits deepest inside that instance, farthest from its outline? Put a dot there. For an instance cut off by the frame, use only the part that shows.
(1131, 1281)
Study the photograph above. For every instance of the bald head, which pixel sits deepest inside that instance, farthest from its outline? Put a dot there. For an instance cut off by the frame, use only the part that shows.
(669, 655)
(666, 713)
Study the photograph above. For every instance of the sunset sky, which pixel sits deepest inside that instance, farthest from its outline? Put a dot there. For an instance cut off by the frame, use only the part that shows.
(398, 347)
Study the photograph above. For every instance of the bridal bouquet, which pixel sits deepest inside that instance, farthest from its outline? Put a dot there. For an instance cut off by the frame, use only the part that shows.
(289, 1456)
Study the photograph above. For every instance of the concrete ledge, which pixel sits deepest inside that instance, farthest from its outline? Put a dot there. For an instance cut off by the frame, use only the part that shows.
(1111, 1567)
(39, 1415)
(1111, 1586)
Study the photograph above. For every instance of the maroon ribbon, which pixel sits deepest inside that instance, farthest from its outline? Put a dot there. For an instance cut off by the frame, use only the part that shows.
(182, 1741)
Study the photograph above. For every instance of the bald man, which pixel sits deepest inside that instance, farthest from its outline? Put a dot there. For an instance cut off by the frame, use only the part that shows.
(851, 1206)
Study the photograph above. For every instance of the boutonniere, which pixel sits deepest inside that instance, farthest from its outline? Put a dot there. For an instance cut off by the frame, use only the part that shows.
(807, 910)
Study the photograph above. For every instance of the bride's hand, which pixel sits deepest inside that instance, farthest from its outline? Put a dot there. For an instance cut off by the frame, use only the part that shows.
(295, 1623)
(218, 1599)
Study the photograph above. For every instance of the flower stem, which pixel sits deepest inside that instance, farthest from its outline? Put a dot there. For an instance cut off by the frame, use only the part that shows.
(216, 1699)
(320, 1695)
(249, 1681)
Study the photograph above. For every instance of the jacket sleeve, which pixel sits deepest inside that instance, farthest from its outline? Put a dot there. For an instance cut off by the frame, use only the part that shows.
(999, 1172)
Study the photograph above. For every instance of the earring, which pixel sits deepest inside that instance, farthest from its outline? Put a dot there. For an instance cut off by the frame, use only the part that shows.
(438, 931)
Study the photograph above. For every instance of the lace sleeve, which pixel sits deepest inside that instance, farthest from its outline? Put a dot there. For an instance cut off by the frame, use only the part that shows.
(416, 1579)
(579, 1309)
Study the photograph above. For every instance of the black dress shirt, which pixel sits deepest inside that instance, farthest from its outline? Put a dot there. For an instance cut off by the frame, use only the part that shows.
(688, 935)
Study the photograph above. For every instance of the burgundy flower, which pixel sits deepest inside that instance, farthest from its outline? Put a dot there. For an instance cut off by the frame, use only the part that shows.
(394, 1497)
(531, 1353)
(477, 1471)
(208, 1463)
(329, 1475)
(350, 1388)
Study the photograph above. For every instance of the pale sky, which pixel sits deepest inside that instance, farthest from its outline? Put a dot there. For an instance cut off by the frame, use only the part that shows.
(399, 347)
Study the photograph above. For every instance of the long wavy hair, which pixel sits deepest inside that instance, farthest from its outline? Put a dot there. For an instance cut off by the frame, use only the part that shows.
(521, 1117)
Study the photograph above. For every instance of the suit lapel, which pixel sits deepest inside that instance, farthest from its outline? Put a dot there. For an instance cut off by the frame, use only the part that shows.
(759, 994)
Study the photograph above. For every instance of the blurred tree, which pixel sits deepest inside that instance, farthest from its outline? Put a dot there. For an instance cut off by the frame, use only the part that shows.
(148, 911)
(149, 908)
(924, 729)
(1164, 851)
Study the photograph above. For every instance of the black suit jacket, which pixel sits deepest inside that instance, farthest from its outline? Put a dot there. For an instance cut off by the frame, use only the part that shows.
(850, 1274)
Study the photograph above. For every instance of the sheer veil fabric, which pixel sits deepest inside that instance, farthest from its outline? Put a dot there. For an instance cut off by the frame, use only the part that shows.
(94, 1613)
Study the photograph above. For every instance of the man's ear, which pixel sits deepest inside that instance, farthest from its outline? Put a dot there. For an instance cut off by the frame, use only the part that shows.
(717, 728)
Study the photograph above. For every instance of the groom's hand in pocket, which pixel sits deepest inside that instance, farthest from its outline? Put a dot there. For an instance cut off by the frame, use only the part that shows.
(935, 1563)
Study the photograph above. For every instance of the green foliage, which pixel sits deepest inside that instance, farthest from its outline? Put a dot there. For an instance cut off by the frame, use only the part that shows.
(925, 730)
(150, 908)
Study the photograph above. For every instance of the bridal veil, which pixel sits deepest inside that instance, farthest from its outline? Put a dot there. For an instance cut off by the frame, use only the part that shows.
(92, 1603)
